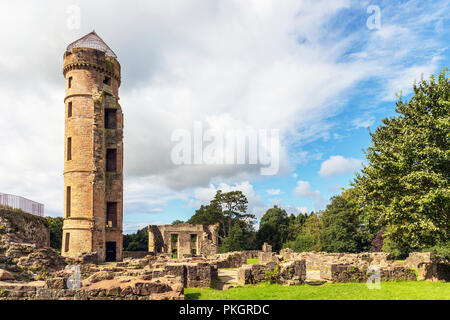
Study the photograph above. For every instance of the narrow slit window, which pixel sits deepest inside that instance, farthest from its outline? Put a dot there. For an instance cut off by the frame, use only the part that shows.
(111, 214)
(66, 245)
(110, 118)
(69, 149)
(111, 160)
(68, 200)
(107, 81)
(69, 84)
(69, 109)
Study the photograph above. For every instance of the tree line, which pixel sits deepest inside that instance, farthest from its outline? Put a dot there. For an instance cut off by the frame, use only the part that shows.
(398, 203)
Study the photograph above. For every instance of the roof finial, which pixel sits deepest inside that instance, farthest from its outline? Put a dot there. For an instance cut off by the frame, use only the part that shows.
(92, 40)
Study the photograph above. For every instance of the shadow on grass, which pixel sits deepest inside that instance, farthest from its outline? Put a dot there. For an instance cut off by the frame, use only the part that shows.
(193, 296)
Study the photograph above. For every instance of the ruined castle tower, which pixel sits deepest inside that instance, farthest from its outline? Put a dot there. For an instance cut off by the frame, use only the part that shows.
(93, 160)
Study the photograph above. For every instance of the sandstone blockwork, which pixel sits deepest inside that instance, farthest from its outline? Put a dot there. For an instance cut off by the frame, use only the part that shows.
(19, 226)
(183, 239)
(93, 159)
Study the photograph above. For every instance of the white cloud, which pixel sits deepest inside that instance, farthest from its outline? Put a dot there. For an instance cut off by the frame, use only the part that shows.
(288, 208)
(273, 192)
(142, 195)
(363, 122)
(338, 165)
(258, 64)
(256, 205)
(304, 190)
(302, 209)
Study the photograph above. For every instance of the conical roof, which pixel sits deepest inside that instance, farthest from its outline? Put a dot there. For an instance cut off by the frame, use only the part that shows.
(93, 41)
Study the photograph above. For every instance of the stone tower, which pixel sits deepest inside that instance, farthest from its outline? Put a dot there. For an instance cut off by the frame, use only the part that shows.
(93, 159)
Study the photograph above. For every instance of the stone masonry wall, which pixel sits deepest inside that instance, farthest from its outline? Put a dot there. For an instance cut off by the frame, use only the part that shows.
(291, 273)
(183, 239)
(19, 226)
(91, 187)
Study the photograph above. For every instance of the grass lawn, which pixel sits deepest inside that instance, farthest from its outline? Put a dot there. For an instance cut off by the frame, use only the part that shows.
(412, 290)
(252, 261)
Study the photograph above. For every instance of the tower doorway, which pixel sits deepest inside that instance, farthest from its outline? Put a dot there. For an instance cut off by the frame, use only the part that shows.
(110, 251)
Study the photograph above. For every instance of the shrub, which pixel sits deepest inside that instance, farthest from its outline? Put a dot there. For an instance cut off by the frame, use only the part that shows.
(442, 249)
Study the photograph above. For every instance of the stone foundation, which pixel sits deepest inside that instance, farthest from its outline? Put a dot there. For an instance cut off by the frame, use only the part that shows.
(351, 273)
(291, 272)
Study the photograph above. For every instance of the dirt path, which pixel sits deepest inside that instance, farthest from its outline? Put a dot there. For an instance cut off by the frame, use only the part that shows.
(227, 277)
(313, 278)
(313, 275)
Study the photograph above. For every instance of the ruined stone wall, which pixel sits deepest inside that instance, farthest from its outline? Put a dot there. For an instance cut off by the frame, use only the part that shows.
(233, 259)
(314, 260)
(190, 239)
(134, 254)
(210, 242)
(91, 187)
(19, 226)
(357, 267)
(352, 273)
(291, 273)
(130, 289)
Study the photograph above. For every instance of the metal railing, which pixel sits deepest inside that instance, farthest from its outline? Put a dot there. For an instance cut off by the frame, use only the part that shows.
(22, 203)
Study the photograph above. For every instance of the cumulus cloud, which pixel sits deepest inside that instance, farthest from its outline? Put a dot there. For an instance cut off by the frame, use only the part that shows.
(363, 122)
(338, 165)
(133, 227)
(203, 196)
(273, 192)
(290, 209)
(304, 190)
(240, 64)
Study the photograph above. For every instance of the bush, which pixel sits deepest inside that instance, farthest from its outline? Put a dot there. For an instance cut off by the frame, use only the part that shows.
(397, 252)
(136, 241)
(377, 242)
(55, 226)
(442, 249)
(303, 242)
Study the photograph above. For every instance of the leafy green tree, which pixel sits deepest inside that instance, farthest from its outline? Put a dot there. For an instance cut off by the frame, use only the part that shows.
(233, 205)
(175, 222)
(405, 186)
(56, 226)
(309, 237)
(300, 219)
(209, 214)
(303, 242)
(273, 228)
(342, 230)
(229, 210)
(136, 241)
(239, 238)
(313, 226)
(295, 226)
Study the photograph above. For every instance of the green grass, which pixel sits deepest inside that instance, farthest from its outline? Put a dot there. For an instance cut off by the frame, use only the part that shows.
(252, 261)
(413, 290)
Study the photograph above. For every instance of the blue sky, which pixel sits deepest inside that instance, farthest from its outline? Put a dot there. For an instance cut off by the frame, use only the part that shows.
(317, 71)
(361, 106)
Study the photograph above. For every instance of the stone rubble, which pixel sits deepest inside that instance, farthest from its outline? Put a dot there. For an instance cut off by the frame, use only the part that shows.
(30, 271)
